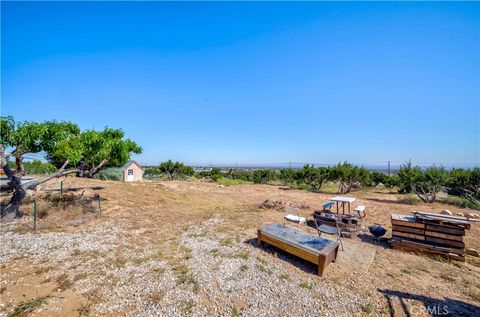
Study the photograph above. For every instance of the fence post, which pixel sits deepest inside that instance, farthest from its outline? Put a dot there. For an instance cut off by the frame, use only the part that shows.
(99, 207)
(61, 187)
(35, 213)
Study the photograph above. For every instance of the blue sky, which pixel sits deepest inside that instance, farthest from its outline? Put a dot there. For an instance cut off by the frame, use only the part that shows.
(253, 82)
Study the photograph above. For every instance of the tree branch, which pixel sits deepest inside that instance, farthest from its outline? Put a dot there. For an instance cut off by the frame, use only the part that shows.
(37, 182)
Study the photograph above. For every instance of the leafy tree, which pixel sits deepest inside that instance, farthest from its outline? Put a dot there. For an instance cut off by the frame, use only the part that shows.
(64, 145)
(425, 184)
(263, 176)
(182, 171)
(33, 137)
(216, 173)
(175, 170)
(406, 176)
(152, 171)
(92, 150)
(168, 168)
(288, 175)
(465, 183)
(315, 177)
(379, 178)
(349, 176)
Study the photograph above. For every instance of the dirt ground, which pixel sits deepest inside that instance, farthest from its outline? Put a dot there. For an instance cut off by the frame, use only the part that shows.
(188, 248)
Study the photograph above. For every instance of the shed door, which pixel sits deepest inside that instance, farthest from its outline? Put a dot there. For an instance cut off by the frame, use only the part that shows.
(130, 176)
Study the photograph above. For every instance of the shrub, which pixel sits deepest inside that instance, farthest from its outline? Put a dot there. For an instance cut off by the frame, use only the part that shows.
(216, 173)
(263, 176)
(409, 200)
(229, 182)
(110, 173)
(36, 167)
(459, 202)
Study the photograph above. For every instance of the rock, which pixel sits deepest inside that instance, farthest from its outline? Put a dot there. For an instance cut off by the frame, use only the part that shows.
(469, 216)
(460, 214)
(446, 212)
(221, 186)
(472, 252)
(476, 216)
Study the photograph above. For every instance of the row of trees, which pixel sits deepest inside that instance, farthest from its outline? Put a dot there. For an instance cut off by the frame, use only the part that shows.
(425, 183)
(64, 145)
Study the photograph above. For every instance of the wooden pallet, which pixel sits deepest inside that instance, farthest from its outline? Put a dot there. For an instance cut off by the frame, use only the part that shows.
(443, 220)
(412, 246)
(428, 236)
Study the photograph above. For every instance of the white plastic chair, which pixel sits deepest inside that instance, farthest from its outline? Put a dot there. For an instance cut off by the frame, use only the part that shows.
(293, 215)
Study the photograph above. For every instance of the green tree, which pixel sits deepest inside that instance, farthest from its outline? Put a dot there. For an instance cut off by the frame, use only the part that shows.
(315, 177)
(182, 171)
(64, 145)
(288, 175)
(465, 183)
(263, 176)
(216, 173)
(33, 137)
(175, 170)
(92, 150)
(168, 168)
(425, 184)
(379, 178)
(349, 176)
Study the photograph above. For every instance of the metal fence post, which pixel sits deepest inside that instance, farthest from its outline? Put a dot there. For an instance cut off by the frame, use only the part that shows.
(35, 213)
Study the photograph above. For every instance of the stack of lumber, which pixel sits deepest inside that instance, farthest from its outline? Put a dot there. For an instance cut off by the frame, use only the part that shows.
(430, 233)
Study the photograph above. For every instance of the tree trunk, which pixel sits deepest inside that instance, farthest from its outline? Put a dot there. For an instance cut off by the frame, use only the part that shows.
(20, 168)
(12, 209)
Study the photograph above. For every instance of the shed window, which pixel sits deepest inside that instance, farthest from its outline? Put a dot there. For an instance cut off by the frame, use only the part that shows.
(130, 172)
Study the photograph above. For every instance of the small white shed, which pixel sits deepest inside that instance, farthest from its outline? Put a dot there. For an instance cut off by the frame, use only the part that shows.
(132, 172)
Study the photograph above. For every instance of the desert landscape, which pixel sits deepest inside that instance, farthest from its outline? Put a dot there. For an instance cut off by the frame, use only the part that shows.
(172, 248)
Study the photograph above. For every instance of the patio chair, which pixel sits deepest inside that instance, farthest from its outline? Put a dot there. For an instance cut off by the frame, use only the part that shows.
(327, 206)
(293, 215)
(329, 226)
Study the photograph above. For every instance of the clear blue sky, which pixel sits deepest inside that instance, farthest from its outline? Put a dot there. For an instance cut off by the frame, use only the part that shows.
(253, 82)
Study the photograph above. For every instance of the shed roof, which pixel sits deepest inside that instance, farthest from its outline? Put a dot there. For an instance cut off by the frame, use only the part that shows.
(127, 165)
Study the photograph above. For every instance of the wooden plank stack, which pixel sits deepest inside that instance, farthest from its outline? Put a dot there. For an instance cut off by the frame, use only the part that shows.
(430, 233)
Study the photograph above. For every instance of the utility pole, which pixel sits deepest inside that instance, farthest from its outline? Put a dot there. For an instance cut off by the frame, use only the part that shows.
(388, 168)
(290, 165)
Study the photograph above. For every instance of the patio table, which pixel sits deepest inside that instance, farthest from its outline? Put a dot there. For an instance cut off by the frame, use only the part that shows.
(344, 201)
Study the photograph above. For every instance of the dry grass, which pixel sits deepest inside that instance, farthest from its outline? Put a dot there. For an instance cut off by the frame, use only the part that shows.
(153, 215)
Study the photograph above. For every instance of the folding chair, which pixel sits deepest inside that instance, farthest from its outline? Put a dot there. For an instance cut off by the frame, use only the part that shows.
(293, 215)
(329, 226)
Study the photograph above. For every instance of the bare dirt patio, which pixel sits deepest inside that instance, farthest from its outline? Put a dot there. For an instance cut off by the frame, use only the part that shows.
(188, 248)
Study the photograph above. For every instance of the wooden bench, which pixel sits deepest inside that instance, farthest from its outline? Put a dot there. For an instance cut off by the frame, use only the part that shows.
(311, 248)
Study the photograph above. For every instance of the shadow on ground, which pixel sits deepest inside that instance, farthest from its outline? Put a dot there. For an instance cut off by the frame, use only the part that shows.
(398, 304)
(370, 239)
(284, 256)
(74, 189)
